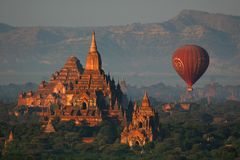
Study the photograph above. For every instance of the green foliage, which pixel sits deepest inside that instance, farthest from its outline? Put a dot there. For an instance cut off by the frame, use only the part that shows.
(107, 133)
(205, 132)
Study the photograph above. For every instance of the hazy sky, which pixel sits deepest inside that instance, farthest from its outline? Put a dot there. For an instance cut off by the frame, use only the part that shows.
(103, 12)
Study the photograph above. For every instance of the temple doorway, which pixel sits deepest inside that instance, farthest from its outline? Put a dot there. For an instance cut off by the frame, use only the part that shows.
(137, 143)
(84, 105)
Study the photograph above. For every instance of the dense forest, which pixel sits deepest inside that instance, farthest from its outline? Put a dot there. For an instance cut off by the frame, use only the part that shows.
(206, 131)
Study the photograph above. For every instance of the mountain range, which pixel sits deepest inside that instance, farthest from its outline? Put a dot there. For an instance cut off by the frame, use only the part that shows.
(139, 53)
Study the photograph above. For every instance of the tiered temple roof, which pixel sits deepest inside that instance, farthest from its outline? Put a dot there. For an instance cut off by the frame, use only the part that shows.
(74, 92)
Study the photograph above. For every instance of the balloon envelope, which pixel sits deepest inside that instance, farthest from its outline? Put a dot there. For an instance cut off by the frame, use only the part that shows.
(190, 62)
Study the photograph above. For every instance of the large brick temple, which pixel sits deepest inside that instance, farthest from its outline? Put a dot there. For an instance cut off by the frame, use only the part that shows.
(87, 95)
(76, 93)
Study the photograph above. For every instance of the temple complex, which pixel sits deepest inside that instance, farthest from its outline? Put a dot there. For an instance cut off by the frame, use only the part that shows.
(143, 126)
(88, 96)
(85, 95)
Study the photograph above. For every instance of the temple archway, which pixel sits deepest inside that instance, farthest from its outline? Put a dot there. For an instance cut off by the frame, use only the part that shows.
(136, 138)
(78, 113)
(136, 143)
(84, 105)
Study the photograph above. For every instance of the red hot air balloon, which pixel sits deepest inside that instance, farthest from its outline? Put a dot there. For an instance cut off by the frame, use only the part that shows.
(190, 62)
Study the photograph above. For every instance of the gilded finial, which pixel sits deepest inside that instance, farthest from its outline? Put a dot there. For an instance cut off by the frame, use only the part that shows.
(93, 47)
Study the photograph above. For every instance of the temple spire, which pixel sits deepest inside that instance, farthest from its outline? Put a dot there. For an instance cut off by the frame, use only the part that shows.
(6, 143)
(145, 95)
(135, 106)
(10, 137)
(49, 127)
(145, 100)
(116, 106)
(93, 47)
(93, 61)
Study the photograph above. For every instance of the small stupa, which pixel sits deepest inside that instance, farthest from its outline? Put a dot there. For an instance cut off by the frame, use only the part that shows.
(10, 137)
(6, 143)
(49, 127)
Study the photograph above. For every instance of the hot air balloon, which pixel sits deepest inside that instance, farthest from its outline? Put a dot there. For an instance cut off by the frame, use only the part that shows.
(190, 62)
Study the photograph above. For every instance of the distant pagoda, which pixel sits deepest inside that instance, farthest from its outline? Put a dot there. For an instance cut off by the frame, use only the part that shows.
(7, 141)
(143, 127)
(49, 127)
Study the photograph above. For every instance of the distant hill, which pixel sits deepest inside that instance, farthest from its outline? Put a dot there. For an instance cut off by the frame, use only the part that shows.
(160, 92)
(9, 93)
(140, 53)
